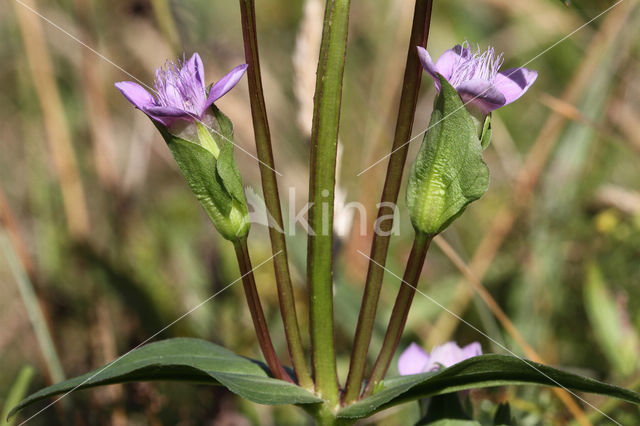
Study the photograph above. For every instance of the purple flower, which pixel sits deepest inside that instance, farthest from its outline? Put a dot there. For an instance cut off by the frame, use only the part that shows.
(477, 77)
(415, 360)
(180, 92)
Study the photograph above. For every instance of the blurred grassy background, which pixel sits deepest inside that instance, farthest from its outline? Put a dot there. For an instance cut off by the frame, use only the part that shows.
(98, 220)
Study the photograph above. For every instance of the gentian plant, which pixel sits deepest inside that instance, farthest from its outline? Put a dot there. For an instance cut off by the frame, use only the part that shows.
(448, 174)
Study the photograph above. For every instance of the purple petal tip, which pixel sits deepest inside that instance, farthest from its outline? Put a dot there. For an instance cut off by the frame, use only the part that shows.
(413, 360)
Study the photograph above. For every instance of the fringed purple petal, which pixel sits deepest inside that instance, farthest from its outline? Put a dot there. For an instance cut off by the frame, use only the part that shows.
(514, 82)
(428, 65)
(413, 360)
(449, 59)
(136, 94)
(168, 115)
(196, 68)
(481, 94)
(225, 84)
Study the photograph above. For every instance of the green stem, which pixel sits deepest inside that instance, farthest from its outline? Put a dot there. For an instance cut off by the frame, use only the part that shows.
(257, 315)
(325, 415)
(380, 245)
(400, 310)
(272, 198)
(324, 138)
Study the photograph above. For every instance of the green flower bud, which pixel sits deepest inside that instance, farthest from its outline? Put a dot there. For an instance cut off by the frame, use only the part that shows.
(449, 172)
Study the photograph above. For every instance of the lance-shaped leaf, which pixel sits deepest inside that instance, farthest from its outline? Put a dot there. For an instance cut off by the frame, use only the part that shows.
(478, 372)
(186, 360)
(449, 172)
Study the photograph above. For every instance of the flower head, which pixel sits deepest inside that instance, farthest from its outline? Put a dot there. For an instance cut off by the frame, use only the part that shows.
(180, 92)
(415, 360)
(477, 77)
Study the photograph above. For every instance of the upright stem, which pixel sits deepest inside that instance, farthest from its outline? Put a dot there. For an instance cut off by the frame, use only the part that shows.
(257, 315)
(324, 138)
(272, 198)
(400, 309)
(380, 245)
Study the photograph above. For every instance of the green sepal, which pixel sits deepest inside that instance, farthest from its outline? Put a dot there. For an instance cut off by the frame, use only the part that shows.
(449, 172)
(205, 139)
(223, 127)
(485, 138)
(198, 166)
(230, 174)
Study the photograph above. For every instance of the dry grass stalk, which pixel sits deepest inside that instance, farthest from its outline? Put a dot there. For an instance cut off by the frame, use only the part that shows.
(104, 154)
(622, 199)
(58, 135)
(305, 55)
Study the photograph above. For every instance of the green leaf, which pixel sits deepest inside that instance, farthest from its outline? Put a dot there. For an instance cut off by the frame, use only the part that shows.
(449, 172)
(453, 422)
(186, 360)
(478, 372)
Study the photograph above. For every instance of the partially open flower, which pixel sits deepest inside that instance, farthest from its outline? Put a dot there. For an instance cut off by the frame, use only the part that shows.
(477, 77)
(415, 360)
(180, 92)
(199, 136)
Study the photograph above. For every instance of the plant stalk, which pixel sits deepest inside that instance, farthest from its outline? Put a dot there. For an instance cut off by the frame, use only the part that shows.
(382, 236)
(325, 415)
(257, 315)
(400, 310)
(324, 138)
(271, 195)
